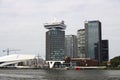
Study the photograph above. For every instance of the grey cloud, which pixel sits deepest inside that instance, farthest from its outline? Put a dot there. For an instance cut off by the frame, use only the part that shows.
(21, 21)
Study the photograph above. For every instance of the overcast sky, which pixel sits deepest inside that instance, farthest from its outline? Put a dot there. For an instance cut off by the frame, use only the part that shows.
(22, 22)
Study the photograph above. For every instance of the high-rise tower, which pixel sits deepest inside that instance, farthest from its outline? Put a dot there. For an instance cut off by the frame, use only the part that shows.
(105, 51)
(55, 41)
(93, 39)
(81, 43)
(71, 46)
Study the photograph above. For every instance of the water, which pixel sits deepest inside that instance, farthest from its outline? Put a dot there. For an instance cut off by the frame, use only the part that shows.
(29, 74)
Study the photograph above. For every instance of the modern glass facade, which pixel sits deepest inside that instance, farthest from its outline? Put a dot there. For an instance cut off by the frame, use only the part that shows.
(71, 46)
(55, 41)
(93, 39)
(81, 43)
(105, 51)
(55, 45)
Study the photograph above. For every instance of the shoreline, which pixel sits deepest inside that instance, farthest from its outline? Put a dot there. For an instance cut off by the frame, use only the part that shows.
(79, 68)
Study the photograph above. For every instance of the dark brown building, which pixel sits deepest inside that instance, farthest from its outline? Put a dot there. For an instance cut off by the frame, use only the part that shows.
(84, 62)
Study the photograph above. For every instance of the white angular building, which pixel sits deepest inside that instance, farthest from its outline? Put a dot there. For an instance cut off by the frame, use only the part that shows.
(20, 61)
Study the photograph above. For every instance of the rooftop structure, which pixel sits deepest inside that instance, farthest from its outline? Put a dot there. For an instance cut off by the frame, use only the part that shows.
(55, 25)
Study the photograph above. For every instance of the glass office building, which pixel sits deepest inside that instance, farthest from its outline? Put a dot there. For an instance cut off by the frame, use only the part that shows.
(81, 43)
(105, 51)
(55, 41)
(93, 39)
(71, 46)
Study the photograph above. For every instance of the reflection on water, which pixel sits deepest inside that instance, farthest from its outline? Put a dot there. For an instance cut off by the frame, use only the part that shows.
(28, 74)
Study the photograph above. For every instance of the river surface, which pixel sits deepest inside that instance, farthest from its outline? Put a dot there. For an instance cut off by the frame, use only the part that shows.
(29, 74)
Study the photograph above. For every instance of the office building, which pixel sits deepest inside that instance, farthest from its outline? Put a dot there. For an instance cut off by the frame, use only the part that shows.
(55, 41)
(81, 43)
(105, 51)
(93, 39)
(71, 46)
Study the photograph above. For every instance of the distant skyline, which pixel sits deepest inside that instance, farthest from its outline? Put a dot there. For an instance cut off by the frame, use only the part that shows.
(22, 22)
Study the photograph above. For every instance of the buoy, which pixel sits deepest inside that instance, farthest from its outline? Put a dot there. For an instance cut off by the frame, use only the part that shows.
(78, 68)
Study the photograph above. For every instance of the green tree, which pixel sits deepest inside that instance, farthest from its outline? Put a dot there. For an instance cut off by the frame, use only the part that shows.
(115, 62)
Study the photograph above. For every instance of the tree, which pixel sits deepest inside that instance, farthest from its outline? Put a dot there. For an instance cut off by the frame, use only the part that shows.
(67, 61)
(115, 62)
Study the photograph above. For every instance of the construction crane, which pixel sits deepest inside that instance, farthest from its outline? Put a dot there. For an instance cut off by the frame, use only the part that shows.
(9, 50)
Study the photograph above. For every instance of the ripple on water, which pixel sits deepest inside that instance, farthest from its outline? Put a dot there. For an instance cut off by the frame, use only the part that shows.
(59, 75)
